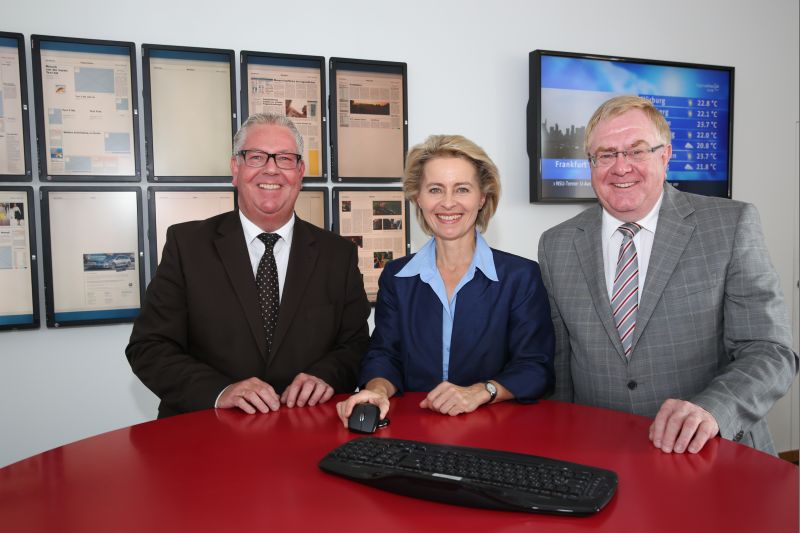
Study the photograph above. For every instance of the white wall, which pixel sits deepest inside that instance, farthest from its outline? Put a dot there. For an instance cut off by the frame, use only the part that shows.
(468, 74)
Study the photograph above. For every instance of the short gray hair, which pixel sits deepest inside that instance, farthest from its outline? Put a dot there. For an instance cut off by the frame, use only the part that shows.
(622, 104)
(266, 119)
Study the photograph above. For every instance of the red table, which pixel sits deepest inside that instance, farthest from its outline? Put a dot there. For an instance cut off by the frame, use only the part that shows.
(227, 471)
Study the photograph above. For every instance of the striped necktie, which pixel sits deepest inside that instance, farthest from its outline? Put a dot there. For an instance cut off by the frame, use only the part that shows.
(625, 292)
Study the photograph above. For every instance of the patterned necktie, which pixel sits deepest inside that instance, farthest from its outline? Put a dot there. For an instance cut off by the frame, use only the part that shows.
(268, 286)
(625, 292)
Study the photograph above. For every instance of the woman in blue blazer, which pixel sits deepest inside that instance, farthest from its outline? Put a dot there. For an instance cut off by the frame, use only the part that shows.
(468, 324)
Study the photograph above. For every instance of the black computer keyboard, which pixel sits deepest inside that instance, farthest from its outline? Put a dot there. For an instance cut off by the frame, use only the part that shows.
(473, 477)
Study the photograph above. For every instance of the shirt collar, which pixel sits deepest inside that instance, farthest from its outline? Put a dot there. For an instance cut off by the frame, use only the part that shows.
(424, 261)
(483, 258)
(648, 222)
(251, 231)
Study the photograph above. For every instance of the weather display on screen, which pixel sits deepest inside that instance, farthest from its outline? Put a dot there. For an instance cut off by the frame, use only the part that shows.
(695, 102)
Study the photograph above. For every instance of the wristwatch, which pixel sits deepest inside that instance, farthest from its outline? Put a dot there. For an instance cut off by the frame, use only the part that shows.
(492, 390)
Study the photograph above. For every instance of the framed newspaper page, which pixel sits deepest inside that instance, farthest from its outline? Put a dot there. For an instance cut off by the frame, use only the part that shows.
(312, 206)
(19, 305)
(15, 153)
(86, 109)
(292, 86)
(190, 112)
(172, 205)
(369, 120)
(376, 220)
(93, 249)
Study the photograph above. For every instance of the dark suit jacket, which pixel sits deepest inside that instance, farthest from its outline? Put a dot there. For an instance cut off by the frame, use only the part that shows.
(200, 329)
(711, 328)
(502, 331)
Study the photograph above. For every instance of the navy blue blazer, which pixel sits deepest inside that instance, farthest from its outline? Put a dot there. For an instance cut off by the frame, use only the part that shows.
(501, 331)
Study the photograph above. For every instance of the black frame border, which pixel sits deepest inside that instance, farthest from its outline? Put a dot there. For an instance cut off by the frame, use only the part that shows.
(341, 63)
(48, 257)
(148, 117)
(25, 109)
(33, 258)
(44, 175)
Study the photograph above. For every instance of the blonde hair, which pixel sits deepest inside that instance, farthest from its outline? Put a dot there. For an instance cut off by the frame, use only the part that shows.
(436, 146)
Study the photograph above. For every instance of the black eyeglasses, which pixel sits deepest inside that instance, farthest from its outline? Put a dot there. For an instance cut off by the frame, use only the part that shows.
(637, 155)
(258, 159)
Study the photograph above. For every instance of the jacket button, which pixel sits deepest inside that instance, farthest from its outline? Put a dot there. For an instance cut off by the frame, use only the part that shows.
(632, 384)
(738, 436)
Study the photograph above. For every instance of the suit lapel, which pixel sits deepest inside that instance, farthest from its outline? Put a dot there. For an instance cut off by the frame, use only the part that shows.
(672, 235)
(235, 259)
(302, 260)
(589, 247)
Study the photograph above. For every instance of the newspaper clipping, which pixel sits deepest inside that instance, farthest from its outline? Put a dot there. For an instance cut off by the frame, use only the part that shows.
(370, 124)
(89, 116)
(374, 220)
(15, 274)
(310, 206)
(12, 147)
(94, 243)
(293, 92)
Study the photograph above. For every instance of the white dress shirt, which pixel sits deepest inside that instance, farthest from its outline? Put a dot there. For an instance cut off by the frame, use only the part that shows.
(643, 240)
(255, 248)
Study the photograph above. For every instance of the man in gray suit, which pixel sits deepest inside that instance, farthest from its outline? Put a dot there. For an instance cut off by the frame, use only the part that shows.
(677, 315)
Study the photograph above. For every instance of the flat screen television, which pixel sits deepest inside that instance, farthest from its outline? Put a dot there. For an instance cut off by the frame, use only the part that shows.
(566, 88)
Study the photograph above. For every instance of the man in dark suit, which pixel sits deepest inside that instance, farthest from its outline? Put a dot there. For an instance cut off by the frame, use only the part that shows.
(205, 336)
(664, 303)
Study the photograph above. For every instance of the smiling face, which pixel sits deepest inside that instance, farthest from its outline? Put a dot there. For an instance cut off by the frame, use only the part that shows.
(450, 197)
(629, 190)
(267, 195)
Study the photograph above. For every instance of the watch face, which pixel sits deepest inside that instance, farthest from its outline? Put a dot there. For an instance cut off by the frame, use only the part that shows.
(491, 389)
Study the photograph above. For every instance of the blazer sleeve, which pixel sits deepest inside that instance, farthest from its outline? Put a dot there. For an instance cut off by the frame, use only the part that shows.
(339, 366)
(384, 359)
(158, 351)
(757, 336)
(562, 389)
(528, 373)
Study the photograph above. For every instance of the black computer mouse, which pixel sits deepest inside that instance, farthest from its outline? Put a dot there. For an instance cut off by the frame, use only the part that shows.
(365, 418)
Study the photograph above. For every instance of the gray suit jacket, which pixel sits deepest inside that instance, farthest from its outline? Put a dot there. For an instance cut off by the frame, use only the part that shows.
(711, 328)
